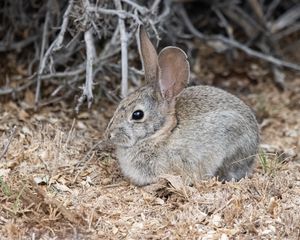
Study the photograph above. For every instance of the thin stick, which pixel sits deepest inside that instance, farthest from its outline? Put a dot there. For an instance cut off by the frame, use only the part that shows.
(286, 19)
(273, 5)
(87, 93)
(88, 157)
(5, 91)
(120, 13)
(143, 10)
(55, 45)
(235, 44)
(42, 57)
(154, 6)
(90, 54)
(8, 143)
(70, 132)
(17, 45)
(227, 27)
(60, 38)
(68, 214)
(124, 53)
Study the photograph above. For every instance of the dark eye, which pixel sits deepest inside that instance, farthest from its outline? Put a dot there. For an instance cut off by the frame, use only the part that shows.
(137, 115)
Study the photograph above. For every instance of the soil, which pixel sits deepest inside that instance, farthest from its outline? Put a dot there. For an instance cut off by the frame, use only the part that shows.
(53, 187)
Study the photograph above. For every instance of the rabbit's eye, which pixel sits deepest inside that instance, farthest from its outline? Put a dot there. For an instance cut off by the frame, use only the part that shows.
(137, 115)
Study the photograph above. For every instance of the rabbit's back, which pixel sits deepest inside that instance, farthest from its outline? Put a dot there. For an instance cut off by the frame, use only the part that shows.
(198, 100)
(217, 134)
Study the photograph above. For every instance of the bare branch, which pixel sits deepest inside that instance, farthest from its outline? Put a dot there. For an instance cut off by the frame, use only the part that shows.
(120, 13)
(286, 19)
(56, 44)
(60, 38)
(8, 142)
(143, 10)
(274, 4)
(42, 57)
(70, 58)
(123, 34)
(154, 6)
(232, 43)
(5, 91)
(90, 54)
(17, 45)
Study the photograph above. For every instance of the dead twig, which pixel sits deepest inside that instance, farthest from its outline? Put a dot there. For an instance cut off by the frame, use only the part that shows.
(227, 27)
(266, 27)
(60, 37)
(143, 10)
(274, 4)
(55, 46)
(120, 13)
(218, 39)
(90, 53)
(42, 57)
(5, 91)
(68, 214)
(87, 93)
(286, 19)
(124, 51)
(8, 142)
(89, 156)
(4, 47)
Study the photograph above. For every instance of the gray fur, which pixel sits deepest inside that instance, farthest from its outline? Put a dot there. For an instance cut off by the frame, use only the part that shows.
(215, 134)
(197, 132)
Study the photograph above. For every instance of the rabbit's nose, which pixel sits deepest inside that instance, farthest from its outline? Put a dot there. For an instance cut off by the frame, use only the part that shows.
(111, 135)
(108, 134)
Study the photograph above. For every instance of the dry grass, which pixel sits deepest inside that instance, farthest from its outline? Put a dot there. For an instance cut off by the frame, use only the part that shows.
(41, 197)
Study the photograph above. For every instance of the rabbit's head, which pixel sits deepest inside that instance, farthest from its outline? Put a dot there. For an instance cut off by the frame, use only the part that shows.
(149, 111)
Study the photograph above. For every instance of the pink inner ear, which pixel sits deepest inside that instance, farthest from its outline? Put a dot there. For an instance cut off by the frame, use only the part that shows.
(174, 71)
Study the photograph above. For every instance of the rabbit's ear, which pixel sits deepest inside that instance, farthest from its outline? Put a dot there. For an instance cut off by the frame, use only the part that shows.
(174, 71)
(149, 56)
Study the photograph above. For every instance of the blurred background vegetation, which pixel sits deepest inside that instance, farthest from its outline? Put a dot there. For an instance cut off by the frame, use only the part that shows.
(86, 50)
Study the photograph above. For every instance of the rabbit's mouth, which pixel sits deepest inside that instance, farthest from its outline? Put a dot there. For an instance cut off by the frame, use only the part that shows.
(121, 139)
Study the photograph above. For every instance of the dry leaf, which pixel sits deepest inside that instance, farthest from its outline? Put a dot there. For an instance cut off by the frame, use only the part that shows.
(175, 181)
(23, 115)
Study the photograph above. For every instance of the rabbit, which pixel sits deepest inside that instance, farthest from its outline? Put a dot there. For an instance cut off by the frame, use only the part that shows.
(166, 127)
